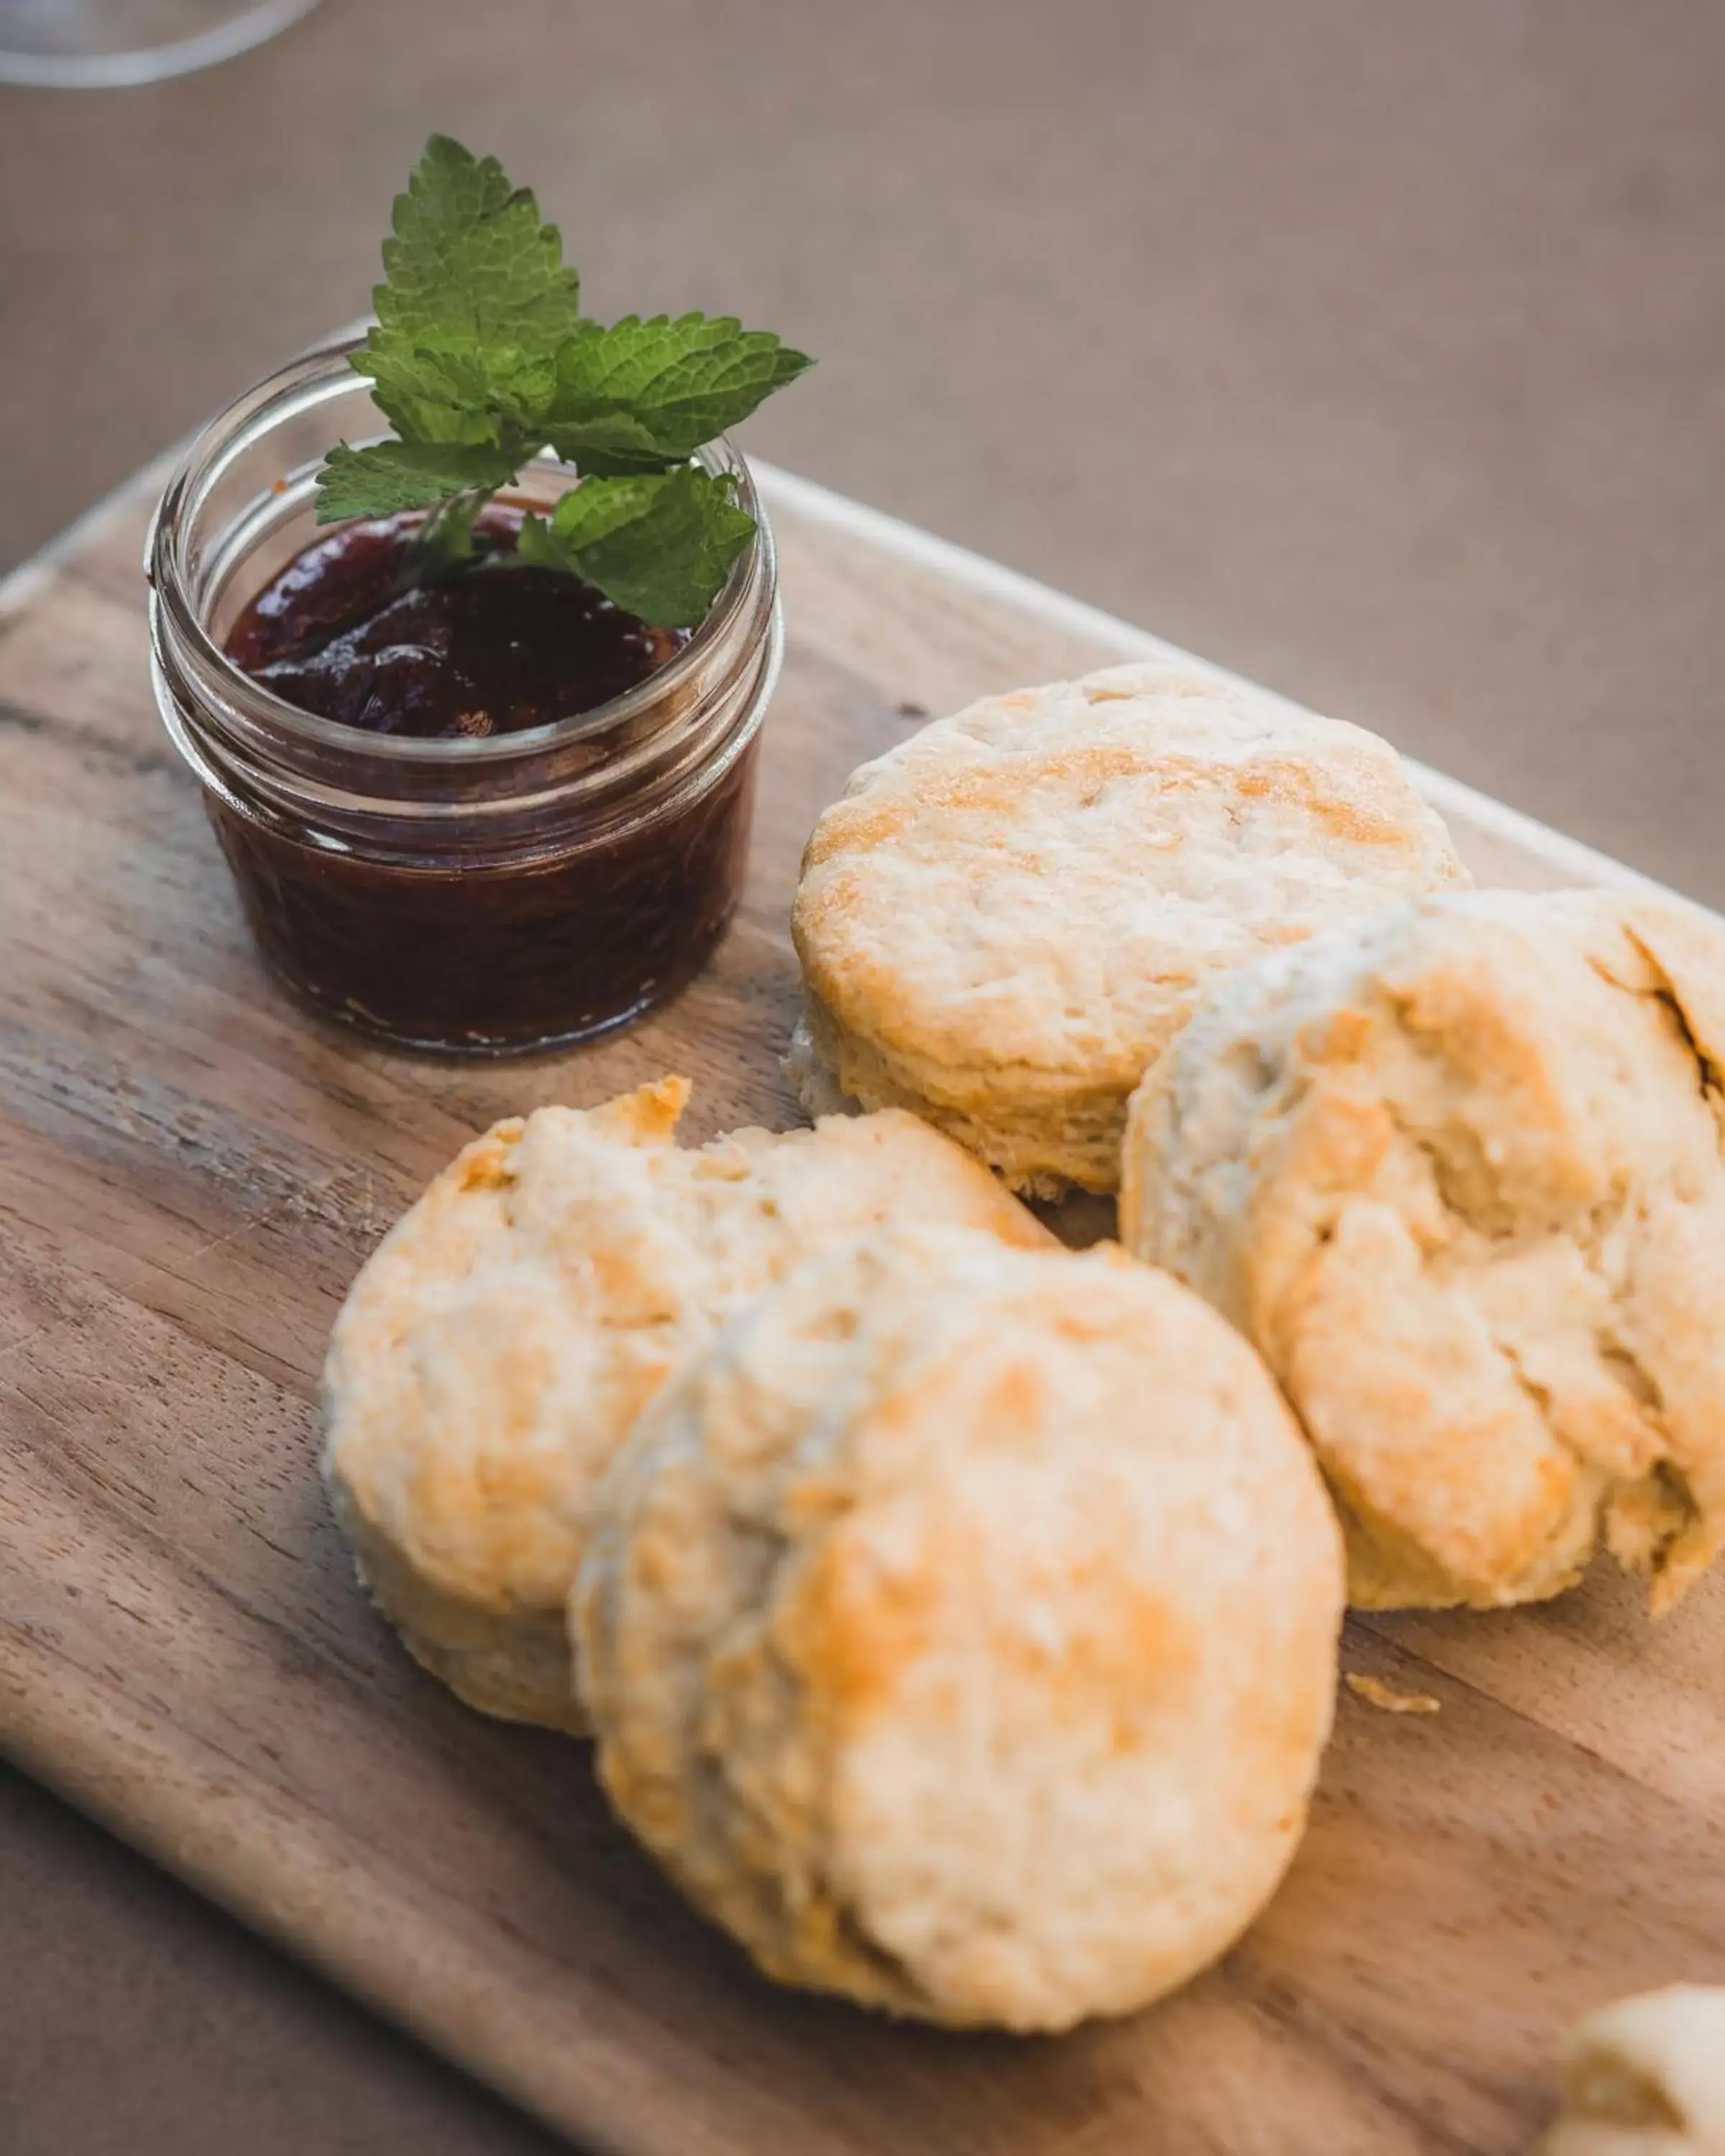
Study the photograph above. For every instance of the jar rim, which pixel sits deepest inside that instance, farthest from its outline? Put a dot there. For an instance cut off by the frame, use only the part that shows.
(322, 372)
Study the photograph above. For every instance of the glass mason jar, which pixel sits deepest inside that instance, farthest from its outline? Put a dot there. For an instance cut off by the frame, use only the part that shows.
(117, 44)
(467, 896)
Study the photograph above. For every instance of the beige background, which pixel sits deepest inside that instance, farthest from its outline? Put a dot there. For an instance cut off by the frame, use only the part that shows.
(1372, 347)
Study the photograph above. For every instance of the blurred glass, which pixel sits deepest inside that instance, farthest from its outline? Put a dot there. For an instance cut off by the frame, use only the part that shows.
(111, 44)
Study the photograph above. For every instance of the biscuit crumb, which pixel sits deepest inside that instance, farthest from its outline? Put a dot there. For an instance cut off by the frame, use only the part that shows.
(1376, 1693)
(1642, 2077)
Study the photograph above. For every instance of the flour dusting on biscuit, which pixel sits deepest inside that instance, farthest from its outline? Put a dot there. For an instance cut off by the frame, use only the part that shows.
(503, 1339)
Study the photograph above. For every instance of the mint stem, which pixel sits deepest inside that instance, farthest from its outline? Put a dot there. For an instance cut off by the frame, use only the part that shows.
(445, 539)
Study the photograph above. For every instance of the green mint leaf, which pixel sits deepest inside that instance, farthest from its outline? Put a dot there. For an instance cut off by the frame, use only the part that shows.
(451, 396)
(643, 393)
(659, 546)
(480, 357)
(476, 303)
(471, 263)
(596, 508)
(388, 476)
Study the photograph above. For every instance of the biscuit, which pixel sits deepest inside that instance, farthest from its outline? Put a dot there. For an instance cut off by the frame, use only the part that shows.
(960, 1630)
(1645, 2077)
(1004, 919)
(1456, 1171)
(501, 1342)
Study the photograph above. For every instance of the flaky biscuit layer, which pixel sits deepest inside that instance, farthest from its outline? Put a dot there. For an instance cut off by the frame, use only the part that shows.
(1005, 919)
(502, 1340)
(1457, 1172)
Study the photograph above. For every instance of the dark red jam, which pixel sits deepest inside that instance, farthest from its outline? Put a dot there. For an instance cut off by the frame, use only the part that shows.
(442, 952)
(490, 648)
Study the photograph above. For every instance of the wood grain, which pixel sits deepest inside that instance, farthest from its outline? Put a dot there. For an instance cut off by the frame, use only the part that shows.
(191, 1171)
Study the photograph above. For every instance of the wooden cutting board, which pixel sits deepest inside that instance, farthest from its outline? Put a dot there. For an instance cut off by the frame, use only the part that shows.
(191, 1172)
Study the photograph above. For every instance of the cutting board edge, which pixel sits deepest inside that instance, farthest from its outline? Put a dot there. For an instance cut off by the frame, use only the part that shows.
(1569, 858)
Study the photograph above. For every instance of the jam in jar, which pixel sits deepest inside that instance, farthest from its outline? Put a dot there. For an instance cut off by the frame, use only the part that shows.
(480, 813)
(351, 629)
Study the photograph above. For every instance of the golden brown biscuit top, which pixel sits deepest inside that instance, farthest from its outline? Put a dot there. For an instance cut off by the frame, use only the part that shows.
(1045, 878)
(1457, 1171)
(960, 1627)
(507, 1333)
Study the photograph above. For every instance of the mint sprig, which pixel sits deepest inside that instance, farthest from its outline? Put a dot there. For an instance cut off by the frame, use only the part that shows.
(482, 358)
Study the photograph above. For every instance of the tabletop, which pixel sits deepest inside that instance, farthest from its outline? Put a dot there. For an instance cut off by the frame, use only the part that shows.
(1375, 355)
